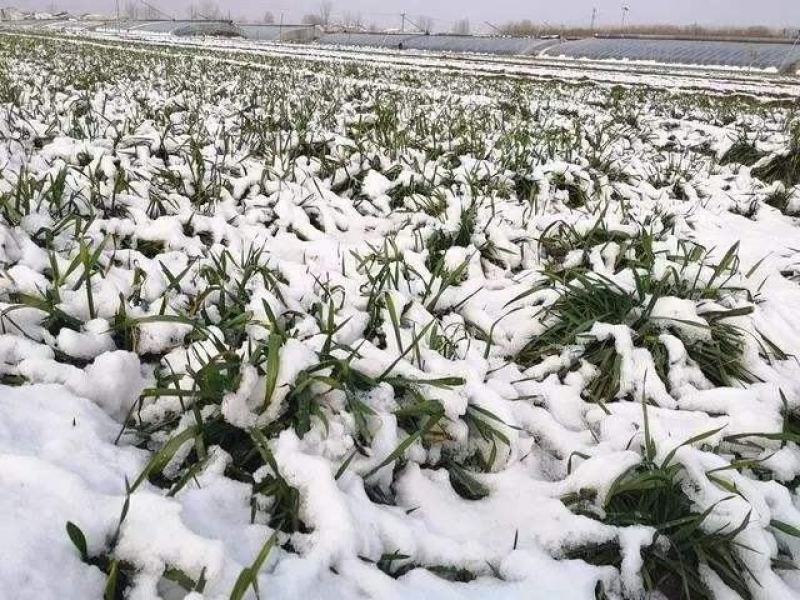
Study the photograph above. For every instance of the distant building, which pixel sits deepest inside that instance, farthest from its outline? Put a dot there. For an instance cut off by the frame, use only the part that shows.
(94, 17)
(11, 14)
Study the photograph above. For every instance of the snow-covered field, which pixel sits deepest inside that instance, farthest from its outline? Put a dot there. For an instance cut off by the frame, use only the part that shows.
(299, 324)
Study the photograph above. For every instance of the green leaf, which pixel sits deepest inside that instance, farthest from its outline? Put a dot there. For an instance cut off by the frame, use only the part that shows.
(341, 470)
(395, 320)
(161, 458)
(249, 575)
(273, 366)
(402, 355)
(179, 577)
(110, 591)
(262, 445)
(243, 583)
(785, 528)
(78, 540)
(404, 445)
(465, 485)
(690, 441)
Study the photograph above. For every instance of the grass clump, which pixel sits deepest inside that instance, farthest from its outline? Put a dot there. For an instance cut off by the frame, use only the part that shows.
(742, 152)
(785, 166)
(397, 564)
(586, 300)
(654, 494)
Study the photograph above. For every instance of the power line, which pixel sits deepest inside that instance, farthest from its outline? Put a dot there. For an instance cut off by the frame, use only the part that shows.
(151, 7)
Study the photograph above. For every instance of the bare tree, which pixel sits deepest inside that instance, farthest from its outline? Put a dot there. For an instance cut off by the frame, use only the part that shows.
(461, 27)
(527, 27)
(311, 19)
(209, 9)
(325, 10)
(353, 21)
(268, 18)
(425, 23)
(130, 10)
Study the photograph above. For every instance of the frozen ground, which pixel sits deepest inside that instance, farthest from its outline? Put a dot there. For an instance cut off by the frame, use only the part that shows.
(308, 324)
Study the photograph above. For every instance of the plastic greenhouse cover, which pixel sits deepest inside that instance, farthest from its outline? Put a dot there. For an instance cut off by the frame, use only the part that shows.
(443, 43)
(373, 40)
(274, 32)
(735, 54)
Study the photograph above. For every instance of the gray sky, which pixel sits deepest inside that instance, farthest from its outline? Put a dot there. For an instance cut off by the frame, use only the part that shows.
(569, 12)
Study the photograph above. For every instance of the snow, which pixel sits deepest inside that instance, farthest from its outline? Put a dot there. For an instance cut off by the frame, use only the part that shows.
(59, 463)
(249, 273)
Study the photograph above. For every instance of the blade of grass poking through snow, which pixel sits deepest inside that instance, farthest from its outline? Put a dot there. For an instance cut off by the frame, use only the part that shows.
(405, 444)
(693, 440)
(249, 576)
(395, 321)
(111, 592)
(161, 458)
(728, 262)
(439, 382)
(786, 528)
(273, 366)
(273, 321)
(78, 540)
(183, 580)
(262, 446)
(343, 467)
(447, 281)
(187, 476)
(464, 484)
(402, 355)
(126, 504)
(649, 443)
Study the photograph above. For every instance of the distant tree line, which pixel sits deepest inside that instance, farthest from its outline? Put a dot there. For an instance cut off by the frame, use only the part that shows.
(528, 28)
(325, 16)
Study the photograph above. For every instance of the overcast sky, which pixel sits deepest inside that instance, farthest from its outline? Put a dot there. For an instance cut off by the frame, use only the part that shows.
(569, 12)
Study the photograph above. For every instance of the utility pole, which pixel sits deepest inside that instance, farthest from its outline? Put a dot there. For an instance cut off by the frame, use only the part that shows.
(280, 29)
(594, 18)
(403, 23)
(118, 24)
(625, 10)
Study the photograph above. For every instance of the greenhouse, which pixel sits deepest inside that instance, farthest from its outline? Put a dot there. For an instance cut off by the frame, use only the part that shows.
(779, 56)
(279, 33)
(481, 45)
(183, 28)
(439, 43)
(369, 40)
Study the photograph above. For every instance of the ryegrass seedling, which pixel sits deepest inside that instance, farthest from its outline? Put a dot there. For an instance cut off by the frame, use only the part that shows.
(653, 494)
(249, 576)
(588, 300)
(742, 152)
(784, 167)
